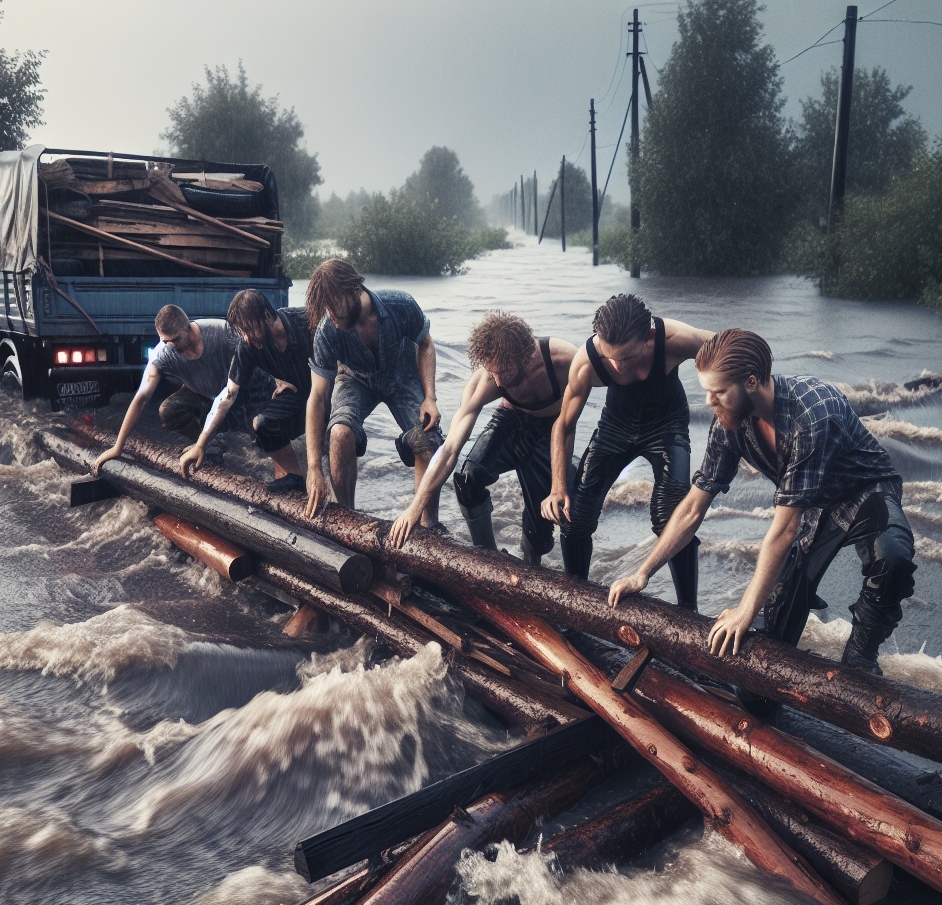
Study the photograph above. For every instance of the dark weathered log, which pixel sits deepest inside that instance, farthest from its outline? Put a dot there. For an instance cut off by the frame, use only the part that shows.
(519, 703)
(622, 832)
(722, 808)
(369, 834)
(220, 555)
(857, 874)
(872, 707)
(424, 875)
(861, 810)
(300, 550)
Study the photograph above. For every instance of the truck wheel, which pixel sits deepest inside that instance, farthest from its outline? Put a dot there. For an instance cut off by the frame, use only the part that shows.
(12, 365)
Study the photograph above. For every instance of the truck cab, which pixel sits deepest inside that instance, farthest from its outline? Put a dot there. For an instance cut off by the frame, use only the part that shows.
(94, 244)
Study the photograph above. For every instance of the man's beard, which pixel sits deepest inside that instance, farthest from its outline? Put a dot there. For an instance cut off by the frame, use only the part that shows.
(353, 315)
(732, 419)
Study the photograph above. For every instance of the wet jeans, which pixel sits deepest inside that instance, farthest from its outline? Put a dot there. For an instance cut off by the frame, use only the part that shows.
(512, 440)
(884, 542)
(609, 452)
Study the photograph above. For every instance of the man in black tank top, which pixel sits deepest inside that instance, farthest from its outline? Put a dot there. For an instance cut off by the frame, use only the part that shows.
(636, 356)
(511, 363)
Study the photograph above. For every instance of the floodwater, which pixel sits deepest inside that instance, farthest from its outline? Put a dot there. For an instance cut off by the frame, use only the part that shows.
(159, 745)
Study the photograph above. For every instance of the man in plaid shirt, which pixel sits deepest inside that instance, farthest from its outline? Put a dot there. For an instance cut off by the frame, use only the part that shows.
(835, 486)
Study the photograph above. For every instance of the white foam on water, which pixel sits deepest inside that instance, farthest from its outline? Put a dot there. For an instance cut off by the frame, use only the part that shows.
(734, 548)
(917, 669)
(349, 738)
(44, 843)
(757, 512)
(885, 426)
(876, 396)
(928, 550)
(707, 872)
(922, 491)
(630, 493)
(825, 638)
(257, 886)
(95, 651)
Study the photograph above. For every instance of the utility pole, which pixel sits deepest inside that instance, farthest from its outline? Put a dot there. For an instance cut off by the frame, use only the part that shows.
(595, 191)
(523, 206)
(842, 126)
(536, 208)
(513, 204)
(635, 132)
(562, 199)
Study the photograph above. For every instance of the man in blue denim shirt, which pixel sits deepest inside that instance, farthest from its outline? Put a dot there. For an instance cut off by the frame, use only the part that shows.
(375, 347)
(835, 486)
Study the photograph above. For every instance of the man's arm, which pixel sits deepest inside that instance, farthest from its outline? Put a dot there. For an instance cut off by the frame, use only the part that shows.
(479, 390)
(193, 455)
(429, 414)
(315, 426)
(683, 341)
(733, 624)
(143, 395)
(564, 436)
(678, 532)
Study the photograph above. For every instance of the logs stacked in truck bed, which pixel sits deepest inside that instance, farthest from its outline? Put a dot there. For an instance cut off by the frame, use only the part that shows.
(128, 218)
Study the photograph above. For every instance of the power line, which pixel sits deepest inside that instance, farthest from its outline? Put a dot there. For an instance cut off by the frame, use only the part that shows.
(907, 21)
(885, 5)
(818, 42)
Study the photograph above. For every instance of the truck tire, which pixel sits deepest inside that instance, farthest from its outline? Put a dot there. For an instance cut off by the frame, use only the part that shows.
(20, 367)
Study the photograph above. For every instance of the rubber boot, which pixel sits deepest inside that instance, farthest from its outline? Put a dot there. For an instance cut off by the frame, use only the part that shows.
(863, 646)
(684, 572)
(480, 525)
(530, 557)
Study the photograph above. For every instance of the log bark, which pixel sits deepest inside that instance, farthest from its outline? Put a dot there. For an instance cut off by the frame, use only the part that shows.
(622, 832)
(302, 551)
(857, 874)
(518, 703)
(220, 555)
(869, 815)
(722, 808)
(424, 874)
(886, 712)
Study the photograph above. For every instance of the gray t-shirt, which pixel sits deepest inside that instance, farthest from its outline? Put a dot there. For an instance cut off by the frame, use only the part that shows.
(206, 375)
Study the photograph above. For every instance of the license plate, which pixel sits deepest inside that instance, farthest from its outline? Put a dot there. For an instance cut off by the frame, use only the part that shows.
(79, 388)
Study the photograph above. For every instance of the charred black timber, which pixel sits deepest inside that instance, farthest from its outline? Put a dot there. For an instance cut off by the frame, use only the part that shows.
(518, 702)
(857, 874)
(297, 549)
(875, 708)
(369, 834)
(424, 874)
(623, 832)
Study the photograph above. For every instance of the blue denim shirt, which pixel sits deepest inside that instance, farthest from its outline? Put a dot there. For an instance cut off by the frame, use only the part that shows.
(824, 455)
(400, 320)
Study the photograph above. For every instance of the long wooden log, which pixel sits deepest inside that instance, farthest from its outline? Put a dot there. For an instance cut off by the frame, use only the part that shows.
(886, 712)
(722, 808)
(302, 551)
(857, 874)
(623, 832)
(864, 812)
(520, 704)
(424, 875)
(369, 834)
(220, 555)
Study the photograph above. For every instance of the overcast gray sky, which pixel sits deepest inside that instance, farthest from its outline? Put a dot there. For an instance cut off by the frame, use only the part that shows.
(504, 83)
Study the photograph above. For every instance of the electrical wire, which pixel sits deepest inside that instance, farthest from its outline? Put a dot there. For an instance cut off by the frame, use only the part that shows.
(868, 15)
(906, 21)
(817, 43)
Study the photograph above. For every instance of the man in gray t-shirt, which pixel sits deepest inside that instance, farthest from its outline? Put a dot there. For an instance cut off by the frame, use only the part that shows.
(199, 353)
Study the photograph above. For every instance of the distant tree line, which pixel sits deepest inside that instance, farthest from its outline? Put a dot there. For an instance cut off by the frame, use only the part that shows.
(725, 186)
(20, 97)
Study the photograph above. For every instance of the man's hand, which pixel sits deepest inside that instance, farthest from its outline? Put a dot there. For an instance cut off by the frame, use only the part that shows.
(730, 625)
(429, 415)
(555, 506)
(402, 527)
(106, 456)
(316, 491)
(281, 386)
(191, 458)
(633, 584)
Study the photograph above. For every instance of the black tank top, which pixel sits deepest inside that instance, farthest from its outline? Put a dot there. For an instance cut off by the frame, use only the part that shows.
(660, 394)
(556, 394)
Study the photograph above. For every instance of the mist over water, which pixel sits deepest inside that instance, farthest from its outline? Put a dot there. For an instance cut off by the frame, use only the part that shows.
(157, 745)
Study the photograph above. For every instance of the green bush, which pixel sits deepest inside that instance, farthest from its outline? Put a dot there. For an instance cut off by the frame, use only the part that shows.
(889, 246)
(614, 244)
(399, 235)
(491, 238)
(300, 261)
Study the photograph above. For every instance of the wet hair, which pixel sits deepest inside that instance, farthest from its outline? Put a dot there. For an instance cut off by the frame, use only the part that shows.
(621, 319)
(332, 279)
(171, 319)
(248, 310)
(736, 355)
(501, 339)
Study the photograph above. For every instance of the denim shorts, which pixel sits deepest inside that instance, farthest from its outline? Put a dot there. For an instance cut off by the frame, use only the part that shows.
(356, 395)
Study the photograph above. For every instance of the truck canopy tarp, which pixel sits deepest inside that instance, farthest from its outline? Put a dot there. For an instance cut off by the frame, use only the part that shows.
(19, 205)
